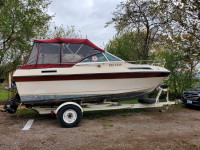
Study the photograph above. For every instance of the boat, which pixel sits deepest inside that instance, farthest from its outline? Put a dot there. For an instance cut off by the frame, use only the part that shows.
(61, 70)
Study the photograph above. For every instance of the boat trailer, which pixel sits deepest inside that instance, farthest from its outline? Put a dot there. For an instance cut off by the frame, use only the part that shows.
(69, 114)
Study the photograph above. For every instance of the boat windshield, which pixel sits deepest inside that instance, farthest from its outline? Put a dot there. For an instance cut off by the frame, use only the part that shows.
(111, 57)
(101, 57)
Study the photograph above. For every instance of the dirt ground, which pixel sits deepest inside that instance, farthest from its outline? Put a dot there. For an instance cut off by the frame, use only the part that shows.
(144, 129)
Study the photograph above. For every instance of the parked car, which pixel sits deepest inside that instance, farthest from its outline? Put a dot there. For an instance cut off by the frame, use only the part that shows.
(192, 96)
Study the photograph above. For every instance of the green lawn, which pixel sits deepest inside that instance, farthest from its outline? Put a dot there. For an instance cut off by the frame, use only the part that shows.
(134, 101)
(3, 94)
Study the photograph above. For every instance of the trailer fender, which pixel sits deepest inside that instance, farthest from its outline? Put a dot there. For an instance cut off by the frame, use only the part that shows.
(68, 103)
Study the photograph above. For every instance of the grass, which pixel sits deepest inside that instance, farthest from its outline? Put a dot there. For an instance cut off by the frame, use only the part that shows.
(104, 127)
(178, 106)
(31, 114)
(134, 101)
(194, 145)
(25, 114)
(3, 94)
(187, 143)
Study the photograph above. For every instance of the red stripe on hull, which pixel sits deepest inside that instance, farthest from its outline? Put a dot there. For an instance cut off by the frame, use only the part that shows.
(90, 76)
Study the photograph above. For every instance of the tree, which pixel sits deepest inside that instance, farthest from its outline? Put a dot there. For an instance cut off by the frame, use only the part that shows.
(136, 15)
(184, 29)
(20, 22)
(162, 17)
(188, 45)
(176, 20)
(61, 31)
(127, 46)
(183, 17)
(179, 78)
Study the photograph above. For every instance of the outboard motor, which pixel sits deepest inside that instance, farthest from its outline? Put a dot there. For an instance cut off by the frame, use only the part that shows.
(13, 105)
(11, 110)
(14, 101)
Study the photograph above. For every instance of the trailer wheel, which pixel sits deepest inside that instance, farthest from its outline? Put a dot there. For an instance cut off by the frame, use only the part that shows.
(69, 116)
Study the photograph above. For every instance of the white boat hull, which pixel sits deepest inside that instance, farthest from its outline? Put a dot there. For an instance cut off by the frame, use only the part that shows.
(47, 90)
(85, 83)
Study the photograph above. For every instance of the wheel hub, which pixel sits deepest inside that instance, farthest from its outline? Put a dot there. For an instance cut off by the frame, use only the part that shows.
(69, 116)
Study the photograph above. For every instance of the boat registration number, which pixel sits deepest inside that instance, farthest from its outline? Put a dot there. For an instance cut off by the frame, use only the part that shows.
(114, 65)
(189, 102)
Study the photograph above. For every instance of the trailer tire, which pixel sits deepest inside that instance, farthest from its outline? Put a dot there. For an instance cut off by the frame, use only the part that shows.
(147, 100)
(69, 116)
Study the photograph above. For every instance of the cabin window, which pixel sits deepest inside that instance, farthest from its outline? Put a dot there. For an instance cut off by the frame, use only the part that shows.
(56, 53)
(111, 57)
(49, 53)
(76, 52)
(95, 58)
(33, 56)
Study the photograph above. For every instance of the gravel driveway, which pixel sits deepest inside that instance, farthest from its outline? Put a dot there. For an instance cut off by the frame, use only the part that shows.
(131, 129)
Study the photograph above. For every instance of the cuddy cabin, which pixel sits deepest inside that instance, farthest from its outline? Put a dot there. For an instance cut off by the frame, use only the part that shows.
(60, 70)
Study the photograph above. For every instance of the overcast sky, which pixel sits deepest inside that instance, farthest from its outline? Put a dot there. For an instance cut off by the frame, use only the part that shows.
(88, 16)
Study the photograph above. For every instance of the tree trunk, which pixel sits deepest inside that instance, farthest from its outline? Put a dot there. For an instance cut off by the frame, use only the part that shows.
(1, 70)
(146, 43)
(191, 70)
